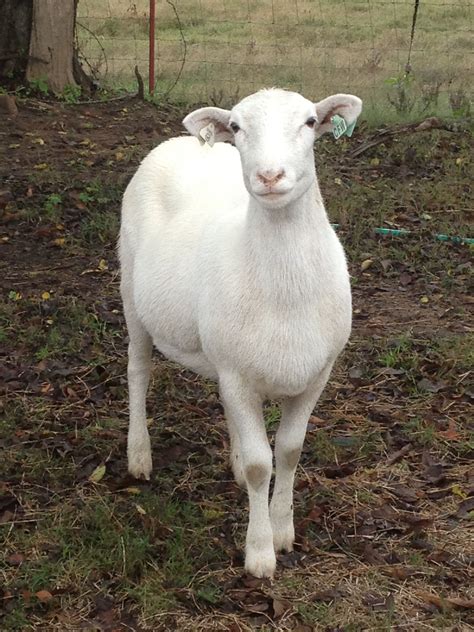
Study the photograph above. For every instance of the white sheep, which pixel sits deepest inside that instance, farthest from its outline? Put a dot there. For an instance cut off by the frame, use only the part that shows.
(231, 268)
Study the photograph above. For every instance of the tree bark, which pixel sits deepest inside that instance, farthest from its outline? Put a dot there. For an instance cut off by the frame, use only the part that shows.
(51, 51)
(15, 29)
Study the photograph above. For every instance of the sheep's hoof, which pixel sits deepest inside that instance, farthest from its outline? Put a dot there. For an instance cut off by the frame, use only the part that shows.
(139, 459)
(260, 563)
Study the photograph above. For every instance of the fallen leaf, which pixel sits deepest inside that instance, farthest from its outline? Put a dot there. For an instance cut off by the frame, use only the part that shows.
(16, 559)
(417, 524)
(401, 572)
(457, 490)
(451, 433)
(45, 296)
(461, 602)
(405, 278)
(408, 494)
(132, 490)
(365, 265)
(372, 556)
(44, 596)
(396, 456)
(280, 606)
(432, 387)
(291, 559)
(434, 473)
(261, 606)
(465, 508)
(98, 474)
(41, 166)
(424, 300)
(379, 602)
(444, 603)
(26, 595)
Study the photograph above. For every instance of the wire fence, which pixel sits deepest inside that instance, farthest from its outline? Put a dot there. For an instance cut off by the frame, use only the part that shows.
(220, 50)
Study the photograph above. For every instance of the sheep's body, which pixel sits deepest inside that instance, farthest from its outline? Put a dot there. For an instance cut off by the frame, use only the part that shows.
(253, 294)
(201, 281)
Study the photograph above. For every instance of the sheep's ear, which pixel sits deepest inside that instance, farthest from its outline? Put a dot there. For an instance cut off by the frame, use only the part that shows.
(196, 121)
(346, 105)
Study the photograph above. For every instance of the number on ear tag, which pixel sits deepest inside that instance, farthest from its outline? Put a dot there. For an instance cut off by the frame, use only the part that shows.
(207, 134)
(340, 127)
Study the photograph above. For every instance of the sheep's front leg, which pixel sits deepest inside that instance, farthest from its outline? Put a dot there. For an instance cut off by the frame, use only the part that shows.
(236, 453)
(138, 372)
(288, 444)
(243, 408)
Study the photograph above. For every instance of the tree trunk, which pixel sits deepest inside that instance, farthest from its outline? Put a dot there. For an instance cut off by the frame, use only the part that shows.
(15, 29)
(52, 43)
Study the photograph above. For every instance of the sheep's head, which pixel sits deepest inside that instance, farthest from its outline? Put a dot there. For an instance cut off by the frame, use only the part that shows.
(274, 131)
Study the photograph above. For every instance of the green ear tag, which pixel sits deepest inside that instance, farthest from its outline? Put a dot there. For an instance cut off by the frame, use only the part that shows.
(350, 128)
(340, 127)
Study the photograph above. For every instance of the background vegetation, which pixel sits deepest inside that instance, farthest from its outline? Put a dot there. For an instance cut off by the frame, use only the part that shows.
(231, 48)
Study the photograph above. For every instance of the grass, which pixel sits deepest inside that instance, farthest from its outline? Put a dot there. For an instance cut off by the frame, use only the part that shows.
(318, 48)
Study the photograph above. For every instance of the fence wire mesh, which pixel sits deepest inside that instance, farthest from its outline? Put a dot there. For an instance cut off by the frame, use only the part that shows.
(220, 50)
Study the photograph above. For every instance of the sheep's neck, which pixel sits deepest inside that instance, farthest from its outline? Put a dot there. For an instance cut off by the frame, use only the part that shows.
(283, 248)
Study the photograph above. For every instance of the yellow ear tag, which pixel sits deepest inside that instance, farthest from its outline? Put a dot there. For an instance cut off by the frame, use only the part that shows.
(207, 134)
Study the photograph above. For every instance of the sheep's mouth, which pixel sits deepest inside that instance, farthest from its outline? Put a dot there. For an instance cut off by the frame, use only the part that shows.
(272, 194)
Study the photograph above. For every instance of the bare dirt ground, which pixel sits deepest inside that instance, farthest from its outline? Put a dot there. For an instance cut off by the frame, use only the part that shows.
(385, 492)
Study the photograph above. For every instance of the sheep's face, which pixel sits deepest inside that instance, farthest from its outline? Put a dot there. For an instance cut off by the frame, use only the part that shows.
(274, 131)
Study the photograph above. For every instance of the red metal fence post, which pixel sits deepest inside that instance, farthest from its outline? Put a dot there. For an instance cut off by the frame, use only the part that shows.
(151, 52)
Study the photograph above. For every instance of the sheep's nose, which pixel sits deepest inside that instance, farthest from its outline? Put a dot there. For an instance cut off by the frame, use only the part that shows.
(270, 178)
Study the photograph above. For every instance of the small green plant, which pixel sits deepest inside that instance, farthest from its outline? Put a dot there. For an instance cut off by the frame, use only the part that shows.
(99, 227)
(272, 416)
(460, 103)
(86, 197)
(39, 85)
(400, 354)
(402, 98)
(52, 206)
(430, 96)
(419, 431)
(71, 93)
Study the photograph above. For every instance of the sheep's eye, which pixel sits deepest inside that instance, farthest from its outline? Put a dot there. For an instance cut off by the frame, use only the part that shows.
(311, 122)
(234, 127)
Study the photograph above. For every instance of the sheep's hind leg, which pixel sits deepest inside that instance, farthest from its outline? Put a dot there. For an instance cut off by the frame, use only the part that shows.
(138, 371)
(244, 408)
(288, 444)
